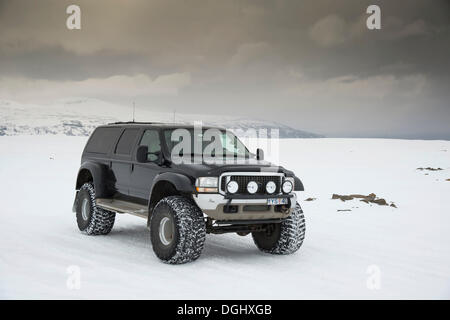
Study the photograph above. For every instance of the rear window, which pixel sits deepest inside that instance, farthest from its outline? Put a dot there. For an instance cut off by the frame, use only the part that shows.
(102, 140)
(126, 141)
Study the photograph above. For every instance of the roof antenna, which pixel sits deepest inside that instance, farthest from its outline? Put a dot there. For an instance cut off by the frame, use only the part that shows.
(134, 107)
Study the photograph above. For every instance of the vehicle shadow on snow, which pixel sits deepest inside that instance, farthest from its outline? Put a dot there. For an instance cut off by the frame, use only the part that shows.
(230, 246)
(227, 246)
(137, 235)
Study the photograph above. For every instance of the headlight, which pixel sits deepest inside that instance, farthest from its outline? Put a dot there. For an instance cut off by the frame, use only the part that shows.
(232, 187)
(252, 187)
(207, 184)
(271, 187)
(288, 185)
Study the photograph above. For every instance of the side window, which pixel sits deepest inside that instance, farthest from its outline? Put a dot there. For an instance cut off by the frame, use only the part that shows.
(150, 138)
(102, 140)
(126, 141)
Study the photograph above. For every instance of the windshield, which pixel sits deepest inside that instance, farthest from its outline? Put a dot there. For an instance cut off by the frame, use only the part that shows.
(206, 142)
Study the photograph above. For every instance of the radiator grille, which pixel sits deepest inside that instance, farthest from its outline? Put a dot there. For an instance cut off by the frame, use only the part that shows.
(244, 180)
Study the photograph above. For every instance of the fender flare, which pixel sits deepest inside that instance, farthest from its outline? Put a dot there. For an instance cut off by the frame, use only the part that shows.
(298, 185)
(99, 173)
(181, 182)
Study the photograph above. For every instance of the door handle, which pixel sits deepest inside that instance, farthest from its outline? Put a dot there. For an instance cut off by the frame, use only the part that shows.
(132, 166)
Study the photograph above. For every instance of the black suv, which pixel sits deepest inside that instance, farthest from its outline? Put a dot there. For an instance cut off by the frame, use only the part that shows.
(161, 172)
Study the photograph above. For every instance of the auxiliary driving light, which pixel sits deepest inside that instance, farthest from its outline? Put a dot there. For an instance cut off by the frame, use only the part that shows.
(271, 187)
(252, 187)
(287, 186)
(232, 187)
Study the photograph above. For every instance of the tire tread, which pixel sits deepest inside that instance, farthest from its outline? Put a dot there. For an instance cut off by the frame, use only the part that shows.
(101, 221)
(292, 234)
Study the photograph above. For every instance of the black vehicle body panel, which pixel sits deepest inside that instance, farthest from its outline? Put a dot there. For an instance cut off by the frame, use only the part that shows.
(103, 179)
(123, 176)
(182, 183)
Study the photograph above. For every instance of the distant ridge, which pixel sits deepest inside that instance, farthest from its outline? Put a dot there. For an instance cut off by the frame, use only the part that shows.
(80, 116)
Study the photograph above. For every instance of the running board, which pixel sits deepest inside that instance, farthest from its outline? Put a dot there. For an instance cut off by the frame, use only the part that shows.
(121, 206)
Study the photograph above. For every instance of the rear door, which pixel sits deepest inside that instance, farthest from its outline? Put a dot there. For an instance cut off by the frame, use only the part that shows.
(121, 164)
(143, 173)
(98, 149)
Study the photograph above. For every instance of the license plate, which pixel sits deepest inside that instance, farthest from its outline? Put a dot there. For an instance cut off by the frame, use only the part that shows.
(276, 201)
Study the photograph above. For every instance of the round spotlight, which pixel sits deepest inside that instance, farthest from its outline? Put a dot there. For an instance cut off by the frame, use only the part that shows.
(287, 187)
(232, 187)
(271, 187)
(252, 187)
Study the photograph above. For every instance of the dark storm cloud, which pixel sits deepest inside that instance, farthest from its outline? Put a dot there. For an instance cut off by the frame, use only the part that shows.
(311, 64)
(58, 63)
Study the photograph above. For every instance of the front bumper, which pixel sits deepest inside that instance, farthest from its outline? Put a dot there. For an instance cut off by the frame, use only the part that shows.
(213, 204)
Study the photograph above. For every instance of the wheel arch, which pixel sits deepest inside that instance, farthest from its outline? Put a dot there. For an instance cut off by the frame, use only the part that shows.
(298, 184)
(95, 173)
(168, 184)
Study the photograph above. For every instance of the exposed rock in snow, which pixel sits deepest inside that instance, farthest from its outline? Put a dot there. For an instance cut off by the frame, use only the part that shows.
(430, 169)
(371, 198)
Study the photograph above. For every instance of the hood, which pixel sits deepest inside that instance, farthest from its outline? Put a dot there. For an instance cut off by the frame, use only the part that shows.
(209, 168)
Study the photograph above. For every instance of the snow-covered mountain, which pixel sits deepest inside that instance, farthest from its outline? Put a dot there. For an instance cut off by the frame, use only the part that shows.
(79, 116)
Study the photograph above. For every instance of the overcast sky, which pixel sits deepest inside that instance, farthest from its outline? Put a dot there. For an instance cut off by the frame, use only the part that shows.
(313, 65)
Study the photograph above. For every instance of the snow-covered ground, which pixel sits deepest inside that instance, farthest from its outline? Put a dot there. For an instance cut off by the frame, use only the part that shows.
(369, 252)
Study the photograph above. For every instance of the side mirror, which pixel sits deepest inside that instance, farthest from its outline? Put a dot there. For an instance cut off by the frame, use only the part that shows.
(141, 154)
(259, 154)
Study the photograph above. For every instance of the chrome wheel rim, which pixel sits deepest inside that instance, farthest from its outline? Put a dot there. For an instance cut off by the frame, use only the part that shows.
(166, 231)
(85, 208)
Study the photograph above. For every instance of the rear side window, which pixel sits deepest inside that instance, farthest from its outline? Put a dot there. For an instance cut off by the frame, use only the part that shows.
(102, 140)
(126, 141)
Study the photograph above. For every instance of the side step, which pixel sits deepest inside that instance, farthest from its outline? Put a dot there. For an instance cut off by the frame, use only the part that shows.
(121, 206)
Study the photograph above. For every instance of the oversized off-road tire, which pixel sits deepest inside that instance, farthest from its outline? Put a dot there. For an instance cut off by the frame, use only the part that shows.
(285, 237)
(91, 219)
(177, 230)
